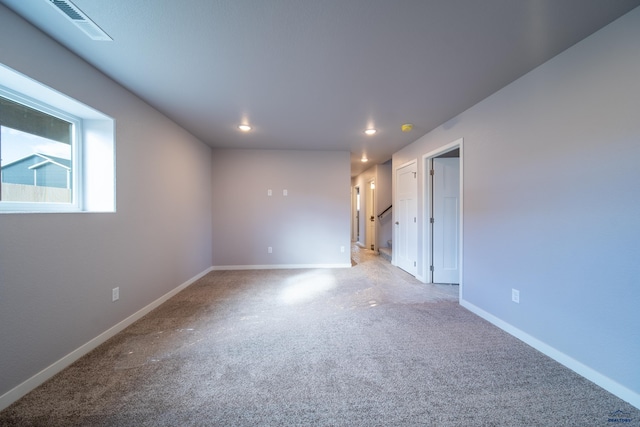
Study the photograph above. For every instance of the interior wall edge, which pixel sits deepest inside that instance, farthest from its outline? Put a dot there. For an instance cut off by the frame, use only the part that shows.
(30, 384)
(581, 369)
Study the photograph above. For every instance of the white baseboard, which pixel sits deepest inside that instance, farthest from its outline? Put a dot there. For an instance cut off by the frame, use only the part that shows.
(277, 266)
(22, 389)
(591, 374)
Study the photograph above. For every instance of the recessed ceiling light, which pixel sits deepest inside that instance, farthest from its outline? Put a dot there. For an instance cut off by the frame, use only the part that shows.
(370, 131)
(244, 128)
(364, 159)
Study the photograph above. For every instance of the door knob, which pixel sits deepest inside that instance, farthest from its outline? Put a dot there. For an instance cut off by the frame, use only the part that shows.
(397, 223)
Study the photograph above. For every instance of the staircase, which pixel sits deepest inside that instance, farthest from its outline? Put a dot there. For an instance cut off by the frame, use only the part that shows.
(386, 251)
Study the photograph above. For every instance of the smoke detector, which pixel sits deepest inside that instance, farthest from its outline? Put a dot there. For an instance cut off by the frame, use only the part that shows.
(79, 19)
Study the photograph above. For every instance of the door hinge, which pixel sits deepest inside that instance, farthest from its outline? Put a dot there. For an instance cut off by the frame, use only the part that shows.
(415, 219)
(414, 263)
(432, 172)
(431, 220)
(431, 267)
(415, 174)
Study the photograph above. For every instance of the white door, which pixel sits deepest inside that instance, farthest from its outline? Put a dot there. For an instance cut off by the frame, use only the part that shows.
(446, 220)
(405, 214)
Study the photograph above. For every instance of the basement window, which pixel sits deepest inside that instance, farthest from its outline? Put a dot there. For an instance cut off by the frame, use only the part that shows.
(56, 154)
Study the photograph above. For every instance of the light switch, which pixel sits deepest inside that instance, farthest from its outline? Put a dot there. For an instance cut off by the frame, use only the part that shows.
(285, 192)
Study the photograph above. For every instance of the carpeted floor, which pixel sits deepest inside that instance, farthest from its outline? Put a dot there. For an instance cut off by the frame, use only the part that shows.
(366, 346)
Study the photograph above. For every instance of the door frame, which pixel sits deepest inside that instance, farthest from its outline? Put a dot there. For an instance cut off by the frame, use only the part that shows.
(370, 231)
(427, 235)
(355, 214)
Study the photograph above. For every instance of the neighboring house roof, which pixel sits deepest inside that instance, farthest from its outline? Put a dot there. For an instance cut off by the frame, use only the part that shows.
(46, 159)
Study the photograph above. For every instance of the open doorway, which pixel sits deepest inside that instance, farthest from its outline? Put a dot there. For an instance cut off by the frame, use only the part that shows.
(443, 214)
(355, 215)
(370, 215)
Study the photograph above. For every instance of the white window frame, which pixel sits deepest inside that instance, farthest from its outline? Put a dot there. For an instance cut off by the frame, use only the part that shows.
(76, 158)
(93, 147)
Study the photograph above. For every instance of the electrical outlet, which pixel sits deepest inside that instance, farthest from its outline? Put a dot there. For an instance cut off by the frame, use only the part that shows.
(269, 192)
(269, 250)
(115, 294)
(342, 249)
(285, 193)
(515, 296)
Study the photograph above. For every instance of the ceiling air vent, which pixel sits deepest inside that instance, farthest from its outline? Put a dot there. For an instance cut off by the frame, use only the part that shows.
(80, 20)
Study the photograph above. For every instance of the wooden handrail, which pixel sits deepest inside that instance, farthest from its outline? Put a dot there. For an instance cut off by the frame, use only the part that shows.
(384, 211)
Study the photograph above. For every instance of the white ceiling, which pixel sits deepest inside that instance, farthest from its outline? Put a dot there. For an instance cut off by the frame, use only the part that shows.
(313, 74)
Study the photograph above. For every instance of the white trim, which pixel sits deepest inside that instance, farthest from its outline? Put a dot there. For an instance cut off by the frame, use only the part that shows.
(427, 277)
(46, 160)
(405, 164)
(581, 369)
(22, 389)
(277, 266)
(37, 165)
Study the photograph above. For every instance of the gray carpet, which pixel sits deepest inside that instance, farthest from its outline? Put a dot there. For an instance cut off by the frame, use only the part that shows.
(366, 346)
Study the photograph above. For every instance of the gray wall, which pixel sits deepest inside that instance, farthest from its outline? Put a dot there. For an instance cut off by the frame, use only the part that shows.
(552, 203)
(384, 200)
(57, 270)
(305, 228)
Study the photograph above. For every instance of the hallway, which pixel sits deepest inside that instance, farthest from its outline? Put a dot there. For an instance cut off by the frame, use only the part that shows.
(395, 283)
